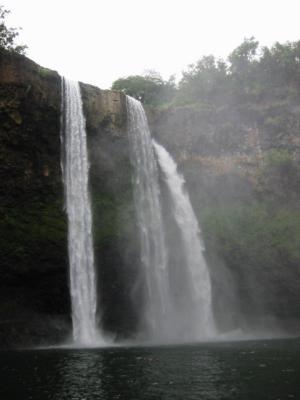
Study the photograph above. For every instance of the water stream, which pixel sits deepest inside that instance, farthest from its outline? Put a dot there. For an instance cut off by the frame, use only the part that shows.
(196, 304)
(154, 256)
(80, 240)
(178, 304)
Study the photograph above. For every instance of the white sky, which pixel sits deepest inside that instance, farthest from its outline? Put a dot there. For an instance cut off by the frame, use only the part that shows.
(99, 41)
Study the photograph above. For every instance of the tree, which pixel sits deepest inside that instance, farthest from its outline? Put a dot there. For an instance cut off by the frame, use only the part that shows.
(244, 70)
(150, 89)
(203, 81)
(281, 64)
(243, 56)
(8, 35)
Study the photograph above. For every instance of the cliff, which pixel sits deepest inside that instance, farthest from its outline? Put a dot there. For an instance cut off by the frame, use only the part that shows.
(242, 173)
(115, 230)
(34, 295)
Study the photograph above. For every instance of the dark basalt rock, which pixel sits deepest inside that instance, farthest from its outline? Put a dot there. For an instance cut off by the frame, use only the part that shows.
(34, 287)
(115, 230)
(33, 227)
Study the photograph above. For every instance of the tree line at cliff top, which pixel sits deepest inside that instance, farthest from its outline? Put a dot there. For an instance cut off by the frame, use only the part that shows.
(250, 74)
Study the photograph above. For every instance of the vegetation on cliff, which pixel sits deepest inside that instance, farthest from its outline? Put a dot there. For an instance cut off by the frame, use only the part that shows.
(253, 225)
(250, 74)
(150, 89)
(233, 126)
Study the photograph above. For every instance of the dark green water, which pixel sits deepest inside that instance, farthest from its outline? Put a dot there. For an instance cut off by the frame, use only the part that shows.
(241, 370)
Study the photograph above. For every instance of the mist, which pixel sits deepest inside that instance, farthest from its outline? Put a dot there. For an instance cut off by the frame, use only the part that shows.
(233, 127)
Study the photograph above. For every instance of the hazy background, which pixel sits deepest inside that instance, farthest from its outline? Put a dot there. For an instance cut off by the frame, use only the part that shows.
(100, 41)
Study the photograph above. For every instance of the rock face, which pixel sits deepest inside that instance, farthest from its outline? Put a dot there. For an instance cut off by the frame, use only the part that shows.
(34, 295)
(115, 228)
(33, 224)
(243, 178)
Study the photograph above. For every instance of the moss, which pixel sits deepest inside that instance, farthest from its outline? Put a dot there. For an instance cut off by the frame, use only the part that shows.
(259, 243)
(46, 72)
(33, 231)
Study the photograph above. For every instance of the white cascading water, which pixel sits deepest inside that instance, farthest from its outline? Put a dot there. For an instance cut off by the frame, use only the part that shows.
(198, 296)
(80, 239)
(154, 255)
(178, 306)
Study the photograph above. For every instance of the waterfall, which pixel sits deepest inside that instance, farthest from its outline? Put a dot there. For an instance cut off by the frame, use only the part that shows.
(197, 297)
(80, 239)
(154, 257)
(178, 304)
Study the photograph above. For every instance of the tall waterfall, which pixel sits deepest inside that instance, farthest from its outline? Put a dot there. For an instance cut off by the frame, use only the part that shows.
(154, 255)
(178, 305)
(80, 239)
(197, 295)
